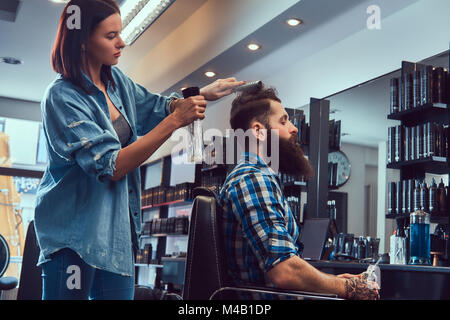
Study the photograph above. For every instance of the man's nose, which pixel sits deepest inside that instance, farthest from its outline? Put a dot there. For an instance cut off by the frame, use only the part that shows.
(294, 129)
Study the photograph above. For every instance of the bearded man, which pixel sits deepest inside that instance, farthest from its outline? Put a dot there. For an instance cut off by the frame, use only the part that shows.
(259, 228)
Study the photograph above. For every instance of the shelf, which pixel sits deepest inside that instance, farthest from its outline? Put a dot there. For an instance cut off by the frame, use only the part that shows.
(433, 219)
(439, 220)
(151, 265)
(167, 203)
(214, 167)
(181, 259)
(156, 235)
(436, 165)
(397, 216)
(296, 184)
(421, 114)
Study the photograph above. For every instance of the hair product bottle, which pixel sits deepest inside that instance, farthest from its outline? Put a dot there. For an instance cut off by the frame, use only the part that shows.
(394, 95)
(433, 204)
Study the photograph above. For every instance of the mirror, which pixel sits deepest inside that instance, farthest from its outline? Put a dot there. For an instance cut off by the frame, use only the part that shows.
(363, 111)
(4, 255)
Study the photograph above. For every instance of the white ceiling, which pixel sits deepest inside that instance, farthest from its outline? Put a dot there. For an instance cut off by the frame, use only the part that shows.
(333, 50)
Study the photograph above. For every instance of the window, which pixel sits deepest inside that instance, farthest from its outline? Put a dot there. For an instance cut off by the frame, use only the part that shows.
(23, 157)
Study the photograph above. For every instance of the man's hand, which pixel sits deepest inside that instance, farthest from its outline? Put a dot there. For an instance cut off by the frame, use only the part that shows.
(356, 287)
(348, 275)
(219, 88)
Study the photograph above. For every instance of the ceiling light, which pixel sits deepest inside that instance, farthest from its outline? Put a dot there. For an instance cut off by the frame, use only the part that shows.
(210, 74)
(137, 16)
(59, 1)
(253, 47)
(294, 22)
(10, 60)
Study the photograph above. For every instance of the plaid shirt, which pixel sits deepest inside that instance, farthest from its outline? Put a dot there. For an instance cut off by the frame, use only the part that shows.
(259, 226)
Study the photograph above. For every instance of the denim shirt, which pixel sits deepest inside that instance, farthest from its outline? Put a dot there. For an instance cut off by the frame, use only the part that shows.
(78, 206)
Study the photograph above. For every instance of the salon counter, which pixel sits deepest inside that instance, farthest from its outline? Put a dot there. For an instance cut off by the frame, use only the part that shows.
(404, 282)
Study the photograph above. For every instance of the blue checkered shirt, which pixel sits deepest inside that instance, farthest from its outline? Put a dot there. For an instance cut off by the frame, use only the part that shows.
(259, 227)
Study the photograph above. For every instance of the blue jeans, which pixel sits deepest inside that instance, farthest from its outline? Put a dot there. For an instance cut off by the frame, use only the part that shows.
(68, 277)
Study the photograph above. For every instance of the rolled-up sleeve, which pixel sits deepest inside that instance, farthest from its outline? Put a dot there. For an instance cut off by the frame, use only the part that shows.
(151, 108)
(257, 201)
(74, 135)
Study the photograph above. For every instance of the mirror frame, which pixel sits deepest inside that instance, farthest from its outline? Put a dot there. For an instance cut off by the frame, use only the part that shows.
(5, 245)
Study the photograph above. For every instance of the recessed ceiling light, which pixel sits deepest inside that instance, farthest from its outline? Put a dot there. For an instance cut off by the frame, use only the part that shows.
(59, 1)
(253, 47)
(294, 22)
(210, 74)
(10, 60)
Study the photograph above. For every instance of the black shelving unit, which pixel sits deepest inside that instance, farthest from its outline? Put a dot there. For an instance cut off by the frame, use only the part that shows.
(416, 169)
(435, 112)
(163, 209)
(319, 114)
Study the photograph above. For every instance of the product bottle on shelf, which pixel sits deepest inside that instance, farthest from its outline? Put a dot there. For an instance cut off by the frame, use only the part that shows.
(442, 198)
(432, 196)
(417, 196)
(405, 197)
(424, 201)
(391, 198)
(394, 95)
(411, 196)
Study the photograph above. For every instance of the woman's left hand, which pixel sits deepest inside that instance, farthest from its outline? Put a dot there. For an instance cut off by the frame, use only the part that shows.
(219, 88)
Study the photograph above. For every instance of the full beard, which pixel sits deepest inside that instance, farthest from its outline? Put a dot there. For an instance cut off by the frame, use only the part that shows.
(291, 157)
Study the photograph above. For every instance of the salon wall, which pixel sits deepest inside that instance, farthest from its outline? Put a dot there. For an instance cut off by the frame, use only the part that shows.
(20, 109)
(363, 161)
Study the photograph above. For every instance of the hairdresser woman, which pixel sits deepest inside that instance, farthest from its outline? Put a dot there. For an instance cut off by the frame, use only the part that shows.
(88, 202)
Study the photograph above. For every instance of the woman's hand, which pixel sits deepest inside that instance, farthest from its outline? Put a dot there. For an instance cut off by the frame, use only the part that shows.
(220, 88)
(186, 111)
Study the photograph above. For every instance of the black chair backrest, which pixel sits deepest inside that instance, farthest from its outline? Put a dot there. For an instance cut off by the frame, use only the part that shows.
(30, 285)
(205, 264)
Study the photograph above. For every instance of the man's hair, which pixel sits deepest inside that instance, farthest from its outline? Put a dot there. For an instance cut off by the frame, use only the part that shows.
(67, 49)
(252, 105)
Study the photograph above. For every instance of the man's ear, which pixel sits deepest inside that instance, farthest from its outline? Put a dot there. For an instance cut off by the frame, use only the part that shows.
(259, 131)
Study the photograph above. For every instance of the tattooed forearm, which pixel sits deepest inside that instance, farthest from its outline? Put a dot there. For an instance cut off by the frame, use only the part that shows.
(356, 288)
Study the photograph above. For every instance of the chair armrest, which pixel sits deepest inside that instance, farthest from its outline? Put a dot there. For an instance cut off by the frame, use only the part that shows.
(278, 292)
(171, 296)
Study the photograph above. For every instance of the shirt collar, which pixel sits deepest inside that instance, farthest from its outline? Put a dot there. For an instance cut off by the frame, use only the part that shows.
(91, 84)
(88, 80)
(253, 158)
